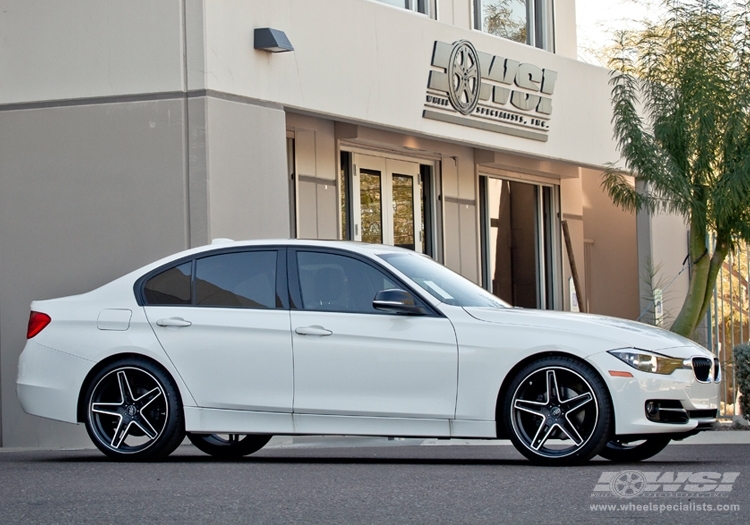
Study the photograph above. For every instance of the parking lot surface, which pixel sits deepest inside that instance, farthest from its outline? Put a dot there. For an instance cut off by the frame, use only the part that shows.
(372, 481)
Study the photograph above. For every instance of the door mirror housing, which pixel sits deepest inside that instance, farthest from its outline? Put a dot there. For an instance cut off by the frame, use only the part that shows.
(397, 302)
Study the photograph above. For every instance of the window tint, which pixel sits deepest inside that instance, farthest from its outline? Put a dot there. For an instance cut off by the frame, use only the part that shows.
(245, 279)
(338, 283)
(169, 287)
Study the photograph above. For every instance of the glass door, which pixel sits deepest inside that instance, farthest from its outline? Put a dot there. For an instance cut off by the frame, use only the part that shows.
(386, 202)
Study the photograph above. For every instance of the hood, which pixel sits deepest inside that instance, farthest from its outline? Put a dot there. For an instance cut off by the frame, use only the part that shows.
(621, 332)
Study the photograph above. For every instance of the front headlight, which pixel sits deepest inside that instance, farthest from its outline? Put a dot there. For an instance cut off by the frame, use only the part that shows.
(648, 361)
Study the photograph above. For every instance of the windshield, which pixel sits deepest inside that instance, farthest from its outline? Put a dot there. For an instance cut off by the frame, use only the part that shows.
(440, 282)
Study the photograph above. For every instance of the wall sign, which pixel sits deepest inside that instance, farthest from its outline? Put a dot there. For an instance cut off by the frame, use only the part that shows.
(483, 91)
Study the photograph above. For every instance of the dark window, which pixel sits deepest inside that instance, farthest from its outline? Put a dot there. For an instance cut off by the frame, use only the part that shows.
(169, 287)
(340, 284)
(244, 279)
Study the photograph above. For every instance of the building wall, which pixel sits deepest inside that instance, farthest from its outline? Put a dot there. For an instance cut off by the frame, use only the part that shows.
(612, 265)
(87, 193)
(88, 48)
(247, 184)
(348, 65)
(133, 129)
(662, 251)
(315, 174)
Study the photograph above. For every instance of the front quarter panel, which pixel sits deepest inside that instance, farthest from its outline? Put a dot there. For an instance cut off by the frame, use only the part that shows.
(489, 350)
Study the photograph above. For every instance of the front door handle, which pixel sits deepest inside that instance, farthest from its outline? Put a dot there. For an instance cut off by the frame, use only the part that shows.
(313, 330)
(178, 322)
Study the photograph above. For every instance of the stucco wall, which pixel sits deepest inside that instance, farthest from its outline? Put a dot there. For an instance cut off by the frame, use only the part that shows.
(87, 194)
(612, 287)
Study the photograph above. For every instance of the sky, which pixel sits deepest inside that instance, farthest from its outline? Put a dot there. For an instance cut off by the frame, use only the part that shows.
(596, 21)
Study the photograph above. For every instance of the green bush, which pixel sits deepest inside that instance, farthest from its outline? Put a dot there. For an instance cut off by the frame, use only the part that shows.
(742, 372)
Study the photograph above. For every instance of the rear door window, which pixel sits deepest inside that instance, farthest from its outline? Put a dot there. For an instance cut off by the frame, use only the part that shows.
(237, 280)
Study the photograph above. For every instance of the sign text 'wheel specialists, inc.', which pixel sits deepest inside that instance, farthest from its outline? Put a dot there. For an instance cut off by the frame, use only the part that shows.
(493, 93)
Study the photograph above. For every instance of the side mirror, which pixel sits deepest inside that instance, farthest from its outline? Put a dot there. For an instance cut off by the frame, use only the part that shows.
(396, 302)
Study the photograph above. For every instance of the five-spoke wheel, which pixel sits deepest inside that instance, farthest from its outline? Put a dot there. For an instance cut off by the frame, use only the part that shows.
(227, 446)
(557, 411)
(134, 411)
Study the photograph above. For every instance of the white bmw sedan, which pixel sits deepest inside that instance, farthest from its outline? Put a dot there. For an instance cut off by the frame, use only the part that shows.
(235, 342)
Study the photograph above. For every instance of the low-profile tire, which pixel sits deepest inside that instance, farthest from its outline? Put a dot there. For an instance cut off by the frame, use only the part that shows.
(557, 411)
(134, 411)
(623, 452)
(228, 446)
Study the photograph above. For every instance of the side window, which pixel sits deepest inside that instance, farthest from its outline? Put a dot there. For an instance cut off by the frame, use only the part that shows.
(169, 287)
(338, 283)
(243, 279)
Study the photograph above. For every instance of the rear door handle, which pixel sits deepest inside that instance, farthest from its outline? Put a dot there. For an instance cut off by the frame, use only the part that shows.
(313, 330)
(178, 322)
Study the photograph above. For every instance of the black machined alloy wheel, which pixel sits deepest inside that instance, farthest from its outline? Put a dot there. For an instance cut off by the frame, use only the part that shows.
(227, 446)
(134, 411)
(558, 412)
(630, 452)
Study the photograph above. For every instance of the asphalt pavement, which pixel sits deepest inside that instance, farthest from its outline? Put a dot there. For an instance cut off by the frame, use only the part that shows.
(375, 480)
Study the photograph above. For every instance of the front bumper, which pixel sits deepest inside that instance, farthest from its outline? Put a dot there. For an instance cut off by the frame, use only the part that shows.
(49, 382)
(630, 394)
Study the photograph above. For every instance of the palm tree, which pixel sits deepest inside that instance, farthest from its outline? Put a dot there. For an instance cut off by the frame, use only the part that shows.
(681, 99)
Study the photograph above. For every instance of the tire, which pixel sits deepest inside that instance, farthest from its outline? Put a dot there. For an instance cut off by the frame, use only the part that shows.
(619, 452)
(231, 446)
(134, 411)
(557, 398)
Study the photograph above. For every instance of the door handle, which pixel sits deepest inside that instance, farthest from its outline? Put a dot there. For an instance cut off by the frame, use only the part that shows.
(177, 322)
(313, 330)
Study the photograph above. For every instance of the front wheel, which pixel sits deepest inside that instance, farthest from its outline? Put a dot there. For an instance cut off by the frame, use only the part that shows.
(623, 452)
(227, 446)
(557, 412)
(134, 411)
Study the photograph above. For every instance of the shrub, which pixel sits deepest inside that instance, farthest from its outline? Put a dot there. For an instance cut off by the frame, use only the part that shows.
(742, 372)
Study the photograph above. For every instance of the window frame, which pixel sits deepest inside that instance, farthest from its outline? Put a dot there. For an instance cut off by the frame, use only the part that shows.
(281, 288)
(540, 23)
(295, 288)
(423, 7)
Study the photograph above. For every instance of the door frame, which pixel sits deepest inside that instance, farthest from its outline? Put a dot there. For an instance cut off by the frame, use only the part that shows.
(387, 168)
(553, 246)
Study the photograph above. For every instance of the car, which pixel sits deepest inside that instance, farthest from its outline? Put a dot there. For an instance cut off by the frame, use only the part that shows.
(235, 342)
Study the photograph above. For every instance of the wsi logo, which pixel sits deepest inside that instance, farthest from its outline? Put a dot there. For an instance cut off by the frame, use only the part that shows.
(632, 483)
(488, 92)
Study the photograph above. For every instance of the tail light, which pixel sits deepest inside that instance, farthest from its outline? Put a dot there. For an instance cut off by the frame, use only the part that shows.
(37, 322)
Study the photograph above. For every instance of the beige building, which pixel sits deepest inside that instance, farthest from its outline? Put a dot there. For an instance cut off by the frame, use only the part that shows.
(132, 129)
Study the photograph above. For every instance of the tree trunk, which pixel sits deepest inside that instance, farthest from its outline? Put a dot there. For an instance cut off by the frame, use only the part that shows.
(687, 319)
(702, 280)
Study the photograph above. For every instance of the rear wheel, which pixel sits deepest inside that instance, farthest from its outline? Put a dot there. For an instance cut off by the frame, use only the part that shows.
(229, 446)
(624, 452)
(557, 412)
(134, 411)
